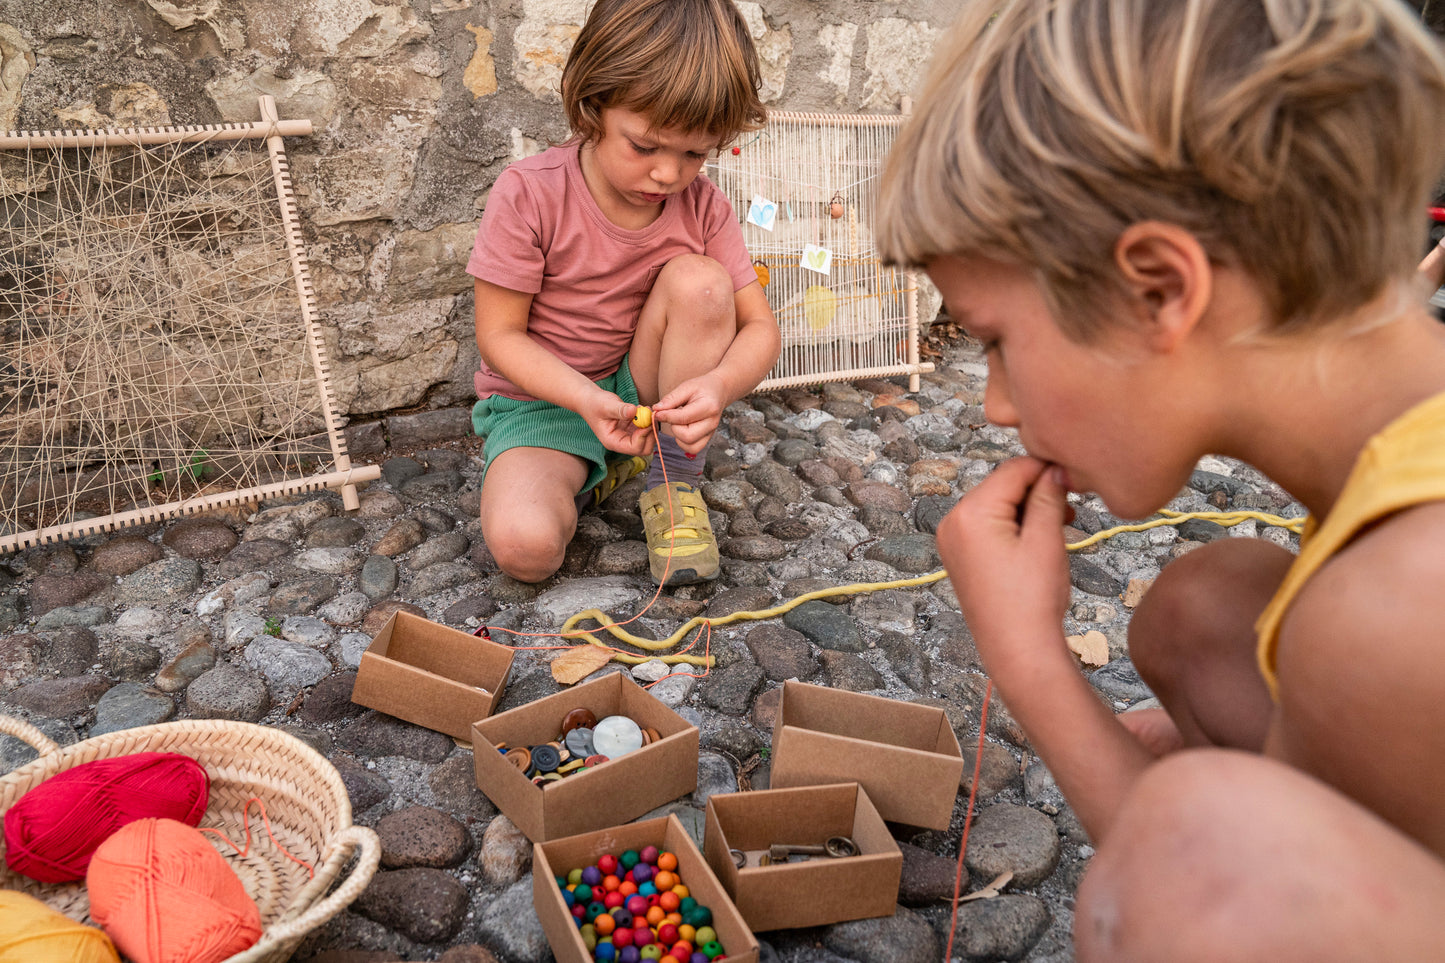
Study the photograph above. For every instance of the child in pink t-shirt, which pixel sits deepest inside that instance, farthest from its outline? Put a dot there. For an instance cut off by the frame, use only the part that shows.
(609, 274)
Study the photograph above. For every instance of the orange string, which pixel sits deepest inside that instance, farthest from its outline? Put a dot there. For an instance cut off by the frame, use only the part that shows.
(486, 630)
(246, 823)
(968, 820)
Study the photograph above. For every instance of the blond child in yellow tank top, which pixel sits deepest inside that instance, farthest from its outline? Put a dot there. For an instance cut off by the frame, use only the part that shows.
(1185, 227)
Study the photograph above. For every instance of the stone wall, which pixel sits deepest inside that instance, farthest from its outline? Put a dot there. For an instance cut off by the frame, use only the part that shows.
(417, 108)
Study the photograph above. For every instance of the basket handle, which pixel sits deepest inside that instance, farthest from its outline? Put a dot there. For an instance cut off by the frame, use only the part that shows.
(26, 733)
(351, 838)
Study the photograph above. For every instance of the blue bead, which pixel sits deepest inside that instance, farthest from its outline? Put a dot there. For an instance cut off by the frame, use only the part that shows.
(647, 889)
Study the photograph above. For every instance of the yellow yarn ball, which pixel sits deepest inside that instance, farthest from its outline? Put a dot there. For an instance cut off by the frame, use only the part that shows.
(30, 931)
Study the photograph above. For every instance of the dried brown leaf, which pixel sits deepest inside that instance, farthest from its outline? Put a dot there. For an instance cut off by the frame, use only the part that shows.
(1092, 647)
(578, 662)
(992, 889)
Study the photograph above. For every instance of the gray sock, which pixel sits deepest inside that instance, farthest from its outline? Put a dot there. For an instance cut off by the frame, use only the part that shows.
(680, 468)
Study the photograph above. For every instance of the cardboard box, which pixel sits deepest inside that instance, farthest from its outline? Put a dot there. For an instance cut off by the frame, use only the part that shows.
(821, 890)
(608, 795)
(905, 756)
(556, 858)
(432, 675)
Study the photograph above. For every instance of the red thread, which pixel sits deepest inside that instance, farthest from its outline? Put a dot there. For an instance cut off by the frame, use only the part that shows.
(968, 820)
(53, 831)
(265, 821)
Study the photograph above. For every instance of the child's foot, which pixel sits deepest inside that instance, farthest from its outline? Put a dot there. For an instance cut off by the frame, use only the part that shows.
(1154, 730)
(620, 468)
(681, 547)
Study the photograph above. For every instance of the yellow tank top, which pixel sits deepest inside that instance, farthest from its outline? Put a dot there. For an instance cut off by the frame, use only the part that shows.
(1401, 466)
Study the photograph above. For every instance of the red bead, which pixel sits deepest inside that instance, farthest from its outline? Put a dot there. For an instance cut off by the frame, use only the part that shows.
(608, 865)
(737, 151)
(613, 900)
(667, 934)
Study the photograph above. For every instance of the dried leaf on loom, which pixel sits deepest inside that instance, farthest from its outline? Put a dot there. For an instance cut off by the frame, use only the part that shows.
(1092, 647)
(578, 662)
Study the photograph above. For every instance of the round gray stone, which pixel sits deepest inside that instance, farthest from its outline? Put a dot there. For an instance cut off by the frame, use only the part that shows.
(826, 626)
(129, 705)
(422, 836)
(228, 692)
(286, 665)
(162, 581)
(1003, 928)
(1017, 839)
(378, 577)
(425, 905)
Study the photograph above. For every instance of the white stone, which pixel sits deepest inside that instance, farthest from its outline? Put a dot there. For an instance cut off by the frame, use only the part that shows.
(774, 47)
(243, 626)
(674, 691)
(141, 622)
(332, 561)
(612, 592)
(838, 39)
(752, 454)
(303, 95)
(651, 670)
(353, 646)
(811, 418)
(308, 631)
(347, 609)
(542, 42)
(898, 52)
(1245, 529)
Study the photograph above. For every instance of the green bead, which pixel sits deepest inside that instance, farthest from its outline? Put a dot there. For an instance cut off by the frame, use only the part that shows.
(687, 904)
(712, 950)
(651, 952)
(561, 882)
(589, 937)
(574, 877)
(583, 892)
(629, 859)
(705, 934)
(703, 915)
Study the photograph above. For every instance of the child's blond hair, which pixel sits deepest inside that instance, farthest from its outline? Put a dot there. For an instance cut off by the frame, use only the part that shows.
(685, 64)
(1297, 139)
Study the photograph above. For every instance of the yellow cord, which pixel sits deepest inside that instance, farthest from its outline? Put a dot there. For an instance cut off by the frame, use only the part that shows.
(1227, 519)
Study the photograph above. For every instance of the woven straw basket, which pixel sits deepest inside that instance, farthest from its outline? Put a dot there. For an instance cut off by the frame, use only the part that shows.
(305, 801)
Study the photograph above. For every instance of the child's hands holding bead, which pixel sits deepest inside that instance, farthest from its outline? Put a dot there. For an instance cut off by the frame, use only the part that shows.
(1003, 546)
(694, 410)
(613, 421)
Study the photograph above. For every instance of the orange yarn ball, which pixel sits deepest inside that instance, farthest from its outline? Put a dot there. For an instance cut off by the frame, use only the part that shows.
(31, 931)
(166, 896)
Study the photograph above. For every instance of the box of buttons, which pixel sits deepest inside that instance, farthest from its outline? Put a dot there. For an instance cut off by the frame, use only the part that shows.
(808, 856)
(595, 755)
(432, 675)
(905, 756)
(637, 892)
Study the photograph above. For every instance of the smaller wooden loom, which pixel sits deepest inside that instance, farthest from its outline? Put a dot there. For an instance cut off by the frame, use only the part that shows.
(820, 172)
(151, 359)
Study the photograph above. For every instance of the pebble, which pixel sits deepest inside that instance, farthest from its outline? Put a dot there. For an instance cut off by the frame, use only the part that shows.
(125, 554)
(160, 581)
(201, 539)
(1011, 838)
(228, 692)
(826, 626)
(904, 937)
(378, 577)
(422, 836)
(181, 671)
(714, 776)
(505, 853)
(844, 670)
(128, 705)
(61, 697)
(286, 665)
(1003, 928)
(510, 923)
(927, 877)
(423, 904)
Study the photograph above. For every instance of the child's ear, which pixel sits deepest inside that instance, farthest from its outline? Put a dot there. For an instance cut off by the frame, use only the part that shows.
(1168, 277)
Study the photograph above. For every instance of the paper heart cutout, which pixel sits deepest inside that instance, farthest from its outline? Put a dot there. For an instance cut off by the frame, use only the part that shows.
(815, 259)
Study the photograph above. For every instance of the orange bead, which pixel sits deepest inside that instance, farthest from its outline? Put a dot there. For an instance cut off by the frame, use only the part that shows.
(611, 884)
(669, 901)
(655, 916)
(674, 918)
(669, 958)
(682, 949)
(628, 888)
(667, 861)
(682, 891)
(686, 933)
(665, 881)
(604, 925)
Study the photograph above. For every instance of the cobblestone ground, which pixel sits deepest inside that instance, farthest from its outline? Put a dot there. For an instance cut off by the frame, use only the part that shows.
(263, 615)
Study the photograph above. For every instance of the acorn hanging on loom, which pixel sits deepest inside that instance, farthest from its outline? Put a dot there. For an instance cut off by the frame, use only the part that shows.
(835, 207)
(764, 275)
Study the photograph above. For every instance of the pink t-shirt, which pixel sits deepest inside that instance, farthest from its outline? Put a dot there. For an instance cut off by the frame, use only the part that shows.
(543, 234)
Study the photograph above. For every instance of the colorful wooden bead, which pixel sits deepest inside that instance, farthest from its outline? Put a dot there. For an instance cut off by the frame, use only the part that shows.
(649, 855)
(705, 935)
(630, 859)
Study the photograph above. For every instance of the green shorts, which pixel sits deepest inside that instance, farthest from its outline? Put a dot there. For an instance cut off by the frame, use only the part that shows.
(506, 423)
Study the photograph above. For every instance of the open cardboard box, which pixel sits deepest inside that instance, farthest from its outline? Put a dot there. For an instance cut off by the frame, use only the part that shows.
(432, 675)
(821, 890)
(607, 795)
(905, 756)
(558, 857)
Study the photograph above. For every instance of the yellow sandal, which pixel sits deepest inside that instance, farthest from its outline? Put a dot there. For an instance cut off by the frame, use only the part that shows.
(619, 470)
(680, 542)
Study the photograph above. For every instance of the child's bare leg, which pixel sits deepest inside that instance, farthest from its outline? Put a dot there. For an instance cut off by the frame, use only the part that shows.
(1192, 640)
(1223, 855)
(528, 512)
(685, 327)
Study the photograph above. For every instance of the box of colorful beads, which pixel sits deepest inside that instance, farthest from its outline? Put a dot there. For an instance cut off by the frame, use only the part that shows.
(595, 755)
(809, 856)
(637, 892)
(432, 675)
(905, 756)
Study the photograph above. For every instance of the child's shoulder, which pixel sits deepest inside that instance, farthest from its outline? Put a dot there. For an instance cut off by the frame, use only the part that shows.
(553, 161)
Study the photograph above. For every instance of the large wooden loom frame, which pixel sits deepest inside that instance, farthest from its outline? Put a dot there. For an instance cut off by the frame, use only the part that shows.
(734, 176)
(343, 475)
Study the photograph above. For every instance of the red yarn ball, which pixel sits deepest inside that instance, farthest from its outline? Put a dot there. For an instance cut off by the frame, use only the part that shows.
(164, 895)
(54, 829)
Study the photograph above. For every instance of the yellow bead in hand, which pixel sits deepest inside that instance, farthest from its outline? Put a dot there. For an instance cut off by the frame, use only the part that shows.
(643, 417)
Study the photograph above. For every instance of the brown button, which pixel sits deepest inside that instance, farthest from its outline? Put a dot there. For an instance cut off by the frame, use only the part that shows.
(519, 757)
(578, 718)
(594, 761)
(652, 735)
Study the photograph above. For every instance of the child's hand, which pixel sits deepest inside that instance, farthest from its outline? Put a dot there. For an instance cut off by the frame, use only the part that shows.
(610, 418)
(1003, 546)
(693, 409)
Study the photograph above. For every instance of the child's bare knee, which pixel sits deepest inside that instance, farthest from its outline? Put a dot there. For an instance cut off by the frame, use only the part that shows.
(699, 282)
(525, 554)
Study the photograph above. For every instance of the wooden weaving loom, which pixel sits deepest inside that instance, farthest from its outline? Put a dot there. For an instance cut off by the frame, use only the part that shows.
(805, 188)
(152, 361)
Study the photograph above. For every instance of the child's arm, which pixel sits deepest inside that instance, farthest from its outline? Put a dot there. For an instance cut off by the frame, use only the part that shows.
(1433, 267)
(694, 408)
(1003, 547)
(501, 322)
